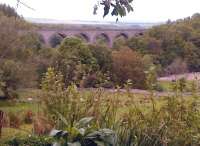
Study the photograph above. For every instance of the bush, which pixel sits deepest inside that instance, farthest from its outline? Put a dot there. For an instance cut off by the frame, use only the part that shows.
(128, 64)
(102, 54)
(75, 61)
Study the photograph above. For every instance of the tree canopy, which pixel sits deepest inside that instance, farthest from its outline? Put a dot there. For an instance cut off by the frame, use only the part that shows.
(17, 51)
(8, 11)
(167, 43)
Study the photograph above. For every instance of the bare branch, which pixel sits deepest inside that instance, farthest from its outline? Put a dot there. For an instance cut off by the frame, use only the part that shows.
(24, 4)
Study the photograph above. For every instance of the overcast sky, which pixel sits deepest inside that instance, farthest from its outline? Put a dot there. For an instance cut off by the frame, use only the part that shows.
(144, 10)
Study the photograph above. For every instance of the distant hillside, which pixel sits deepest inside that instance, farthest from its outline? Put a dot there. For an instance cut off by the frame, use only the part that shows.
(77, 22)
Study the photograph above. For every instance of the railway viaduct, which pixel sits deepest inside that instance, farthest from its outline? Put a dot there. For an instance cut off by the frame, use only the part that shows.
(90, 33)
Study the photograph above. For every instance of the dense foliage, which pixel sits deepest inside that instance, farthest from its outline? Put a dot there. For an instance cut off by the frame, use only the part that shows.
(167, 43)
(16, 52)
(128, 65)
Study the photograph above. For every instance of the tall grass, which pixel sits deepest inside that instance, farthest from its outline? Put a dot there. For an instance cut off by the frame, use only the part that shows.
(137, 121)
(174, 122)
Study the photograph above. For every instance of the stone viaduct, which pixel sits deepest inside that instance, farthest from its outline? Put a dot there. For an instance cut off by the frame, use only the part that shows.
(90, 33)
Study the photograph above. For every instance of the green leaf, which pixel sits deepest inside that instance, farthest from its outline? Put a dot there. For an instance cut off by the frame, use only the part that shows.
(106, 7)
(84, 122)
(114, 12)
(62, 118)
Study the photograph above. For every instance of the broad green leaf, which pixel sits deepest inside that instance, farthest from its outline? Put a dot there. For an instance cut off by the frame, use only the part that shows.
(84, 122)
